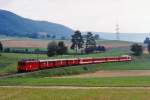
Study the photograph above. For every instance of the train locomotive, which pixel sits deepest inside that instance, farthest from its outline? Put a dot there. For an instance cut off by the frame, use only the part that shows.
(30, 65)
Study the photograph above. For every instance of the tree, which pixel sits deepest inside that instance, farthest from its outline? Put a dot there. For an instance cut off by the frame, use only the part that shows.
(96, 36)
(100, 48)
(147, 40)
(48, 36)
(89, 50)
(52, 48)
(90, 40)
(62, 49)
(77, 41)
(1, 47)
(7, 50)
(137, 49)
(54, 37)
(63, 38)
(148, 47)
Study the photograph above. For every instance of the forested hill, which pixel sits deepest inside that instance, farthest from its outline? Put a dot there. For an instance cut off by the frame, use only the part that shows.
(14, 25)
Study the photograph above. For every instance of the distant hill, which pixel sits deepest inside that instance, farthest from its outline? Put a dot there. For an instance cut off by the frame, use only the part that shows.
(14, 25)
(134, 37)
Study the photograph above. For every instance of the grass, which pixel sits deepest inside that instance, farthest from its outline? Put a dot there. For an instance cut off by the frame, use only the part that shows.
(103, 82)
(8, 64)
(8, 61)
(73, 94)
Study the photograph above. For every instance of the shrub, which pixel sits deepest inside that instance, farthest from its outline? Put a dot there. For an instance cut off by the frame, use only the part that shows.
(137, 49)
(148, 47)
(52, 49)
(62, 49)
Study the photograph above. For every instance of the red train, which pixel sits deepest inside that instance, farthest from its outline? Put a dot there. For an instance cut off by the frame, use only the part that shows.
(33, 65)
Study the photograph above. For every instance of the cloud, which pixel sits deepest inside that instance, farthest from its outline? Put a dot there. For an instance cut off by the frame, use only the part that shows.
(95, 15)
(4, 2)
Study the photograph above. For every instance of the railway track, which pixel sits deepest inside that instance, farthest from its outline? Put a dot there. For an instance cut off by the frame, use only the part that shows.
(16, 74)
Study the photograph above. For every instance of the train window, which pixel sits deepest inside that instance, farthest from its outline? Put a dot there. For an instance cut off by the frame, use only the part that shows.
(21, 63)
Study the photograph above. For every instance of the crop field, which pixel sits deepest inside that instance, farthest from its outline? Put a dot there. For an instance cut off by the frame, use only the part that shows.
(31, 43)
(28, 43)
(73, 94)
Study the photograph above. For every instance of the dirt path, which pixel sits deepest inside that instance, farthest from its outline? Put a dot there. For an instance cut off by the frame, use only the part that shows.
(71, 87)
(118, 73)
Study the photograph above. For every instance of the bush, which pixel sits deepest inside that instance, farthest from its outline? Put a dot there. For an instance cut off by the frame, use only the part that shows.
(52, 49)
(89, 50)
(62, 49)
(7, 50)
(100, 49)
(148, 47)
(137, 49)
(1, 47)
(147, 40)
(56, 49)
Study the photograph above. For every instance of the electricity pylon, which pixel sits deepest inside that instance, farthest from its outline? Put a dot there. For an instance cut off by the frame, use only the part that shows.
(117, 32)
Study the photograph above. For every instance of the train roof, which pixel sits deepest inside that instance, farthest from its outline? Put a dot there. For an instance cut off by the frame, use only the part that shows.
(28, 60)
(58, 59)
(33, 60)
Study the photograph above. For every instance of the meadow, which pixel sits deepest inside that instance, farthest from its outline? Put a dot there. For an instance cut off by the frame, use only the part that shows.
(73, 94)
(8, 63)
(140, 81)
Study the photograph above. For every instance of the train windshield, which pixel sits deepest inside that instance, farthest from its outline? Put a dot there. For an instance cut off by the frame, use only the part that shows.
(21, 63)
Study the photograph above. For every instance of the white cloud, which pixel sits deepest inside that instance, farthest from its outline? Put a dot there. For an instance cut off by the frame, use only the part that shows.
(94, 15)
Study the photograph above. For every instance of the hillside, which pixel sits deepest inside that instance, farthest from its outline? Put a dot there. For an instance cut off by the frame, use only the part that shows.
(14, 25)
(134, 37)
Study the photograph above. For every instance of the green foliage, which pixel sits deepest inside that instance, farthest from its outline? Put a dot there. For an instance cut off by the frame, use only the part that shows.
(77, 41)
(148, 47)
(137, 49)
(96, 36)
(54, 37)
(55, 48)
(90, 40)
(1, 47)
(147, 40)
(52, 49)
(62, 49)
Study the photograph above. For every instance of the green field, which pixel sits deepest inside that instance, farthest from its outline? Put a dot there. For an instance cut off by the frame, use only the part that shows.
(73, 94)
(8, 63)
(102, 82)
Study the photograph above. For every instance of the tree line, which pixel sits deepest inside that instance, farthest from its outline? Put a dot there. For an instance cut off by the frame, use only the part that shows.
(137, 49)
(84, 43)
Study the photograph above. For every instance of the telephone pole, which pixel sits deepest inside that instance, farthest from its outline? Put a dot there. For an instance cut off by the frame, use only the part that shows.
(117, 32)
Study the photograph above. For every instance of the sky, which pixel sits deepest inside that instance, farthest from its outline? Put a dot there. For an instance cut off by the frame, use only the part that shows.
(133, 16)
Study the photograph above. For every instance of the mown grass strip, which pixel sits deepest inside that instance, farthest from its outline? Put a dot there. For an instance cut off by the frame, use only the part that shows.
(103, 82)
